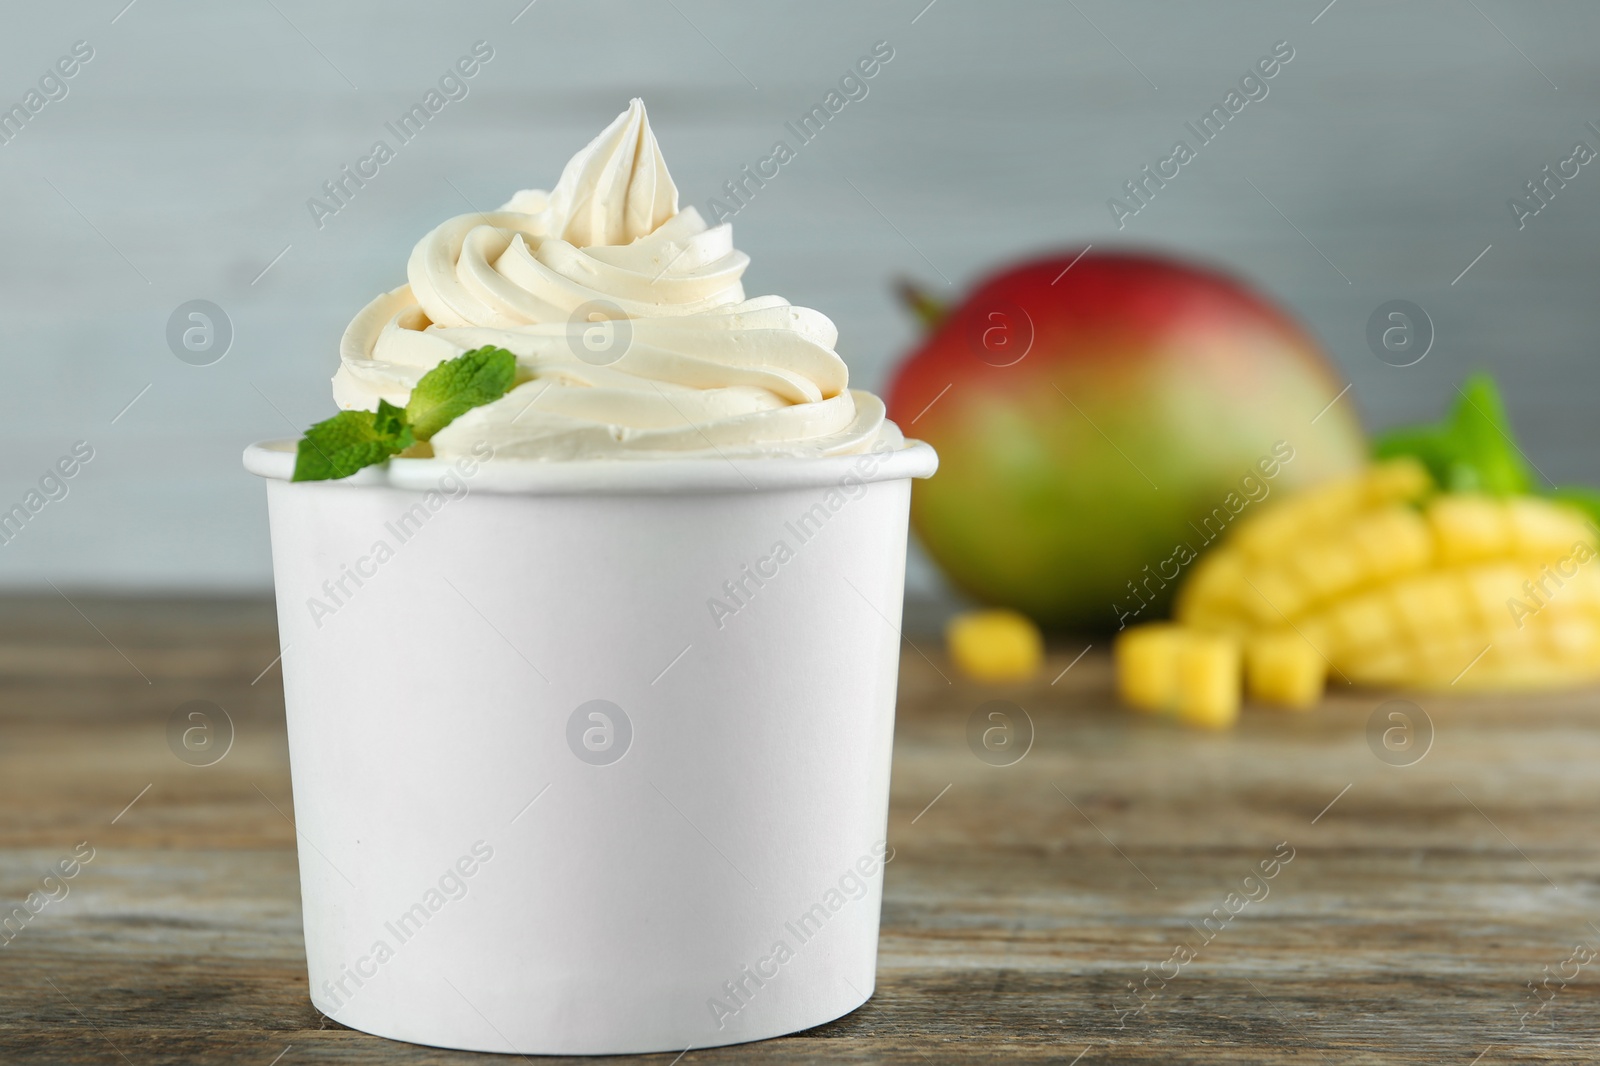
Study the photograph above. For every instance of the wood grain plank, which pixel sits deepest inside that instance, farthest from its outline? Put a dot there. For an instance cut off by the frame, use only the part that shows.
(1018, 909)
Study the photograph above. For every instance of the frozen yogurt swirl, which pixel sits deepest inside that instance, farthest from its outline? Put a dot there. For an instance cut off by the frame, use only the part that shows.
(629, 322)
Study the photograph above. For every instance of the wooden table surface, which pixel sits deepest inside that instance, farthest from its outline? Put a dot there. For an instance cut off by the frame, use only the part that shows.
(1421, 906)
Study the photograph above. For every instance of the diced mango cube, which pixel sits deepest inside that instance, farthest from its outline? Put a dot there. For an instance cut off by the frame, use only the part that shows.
(1331, 505)
(1393, 541)
(1212, 587)
(1445, 661)
(1272, 594)
(1208, 680)
(1572, 637)
(1363, 621)
(1544, 531)
(1147, 665)
(1582, 589)
(1385, 665)
(1262, 534)
(1316, 630)
(1327, 567)
(1468, 527)
(1283, 669)
(1489, 587)
(1397, 481)
(1432, 603)
(1566, 582)
(995, 645)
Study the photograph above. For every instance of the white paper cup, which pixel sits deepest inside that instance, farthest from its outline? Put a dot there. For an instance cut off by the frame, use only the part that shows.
(550, 797)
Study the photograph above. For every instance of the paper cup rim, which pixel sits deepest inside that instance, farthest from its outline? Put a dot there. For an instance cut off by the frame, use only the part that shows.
(274, 460)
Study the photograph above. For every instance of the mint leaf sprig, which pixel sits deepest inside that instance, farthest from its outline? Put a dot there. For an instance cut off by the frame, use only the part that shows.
(1474, 450)
(352, 440)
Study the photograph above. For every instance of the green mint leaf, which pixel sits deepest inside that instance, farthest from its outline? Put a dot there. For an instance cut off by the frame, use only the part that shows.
(456, 386)
(1472, 450)
(1487, 447)
(351, 440)
(1428, 444)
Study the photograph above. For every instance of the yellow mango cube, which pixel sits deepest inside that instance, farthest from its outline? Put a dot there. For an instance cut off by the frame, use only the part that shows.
(1283, 669)
(1443, 662)
(1432, 603)
(1147, 665)
(1393, 541)
(1468, 527)
(1544, 531)
(1208, 680)
(1272, 594)
(1212, 587)
(1572, 638)
(1165, 668)
(1327, 567)
(1489, 589)
(1582, 590)
(1381, 666)
(1363, 621)
(1397, 480)
(1262, 534)
(995, 645)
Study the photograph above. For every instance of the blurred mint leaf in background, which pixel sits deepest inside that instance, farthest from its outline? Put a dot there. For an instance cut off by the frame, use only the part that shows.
(1472, 450)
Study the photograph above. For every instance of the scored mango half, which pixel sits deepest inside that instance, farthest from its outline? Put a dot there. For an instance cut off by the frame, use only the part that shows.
(1376, 579)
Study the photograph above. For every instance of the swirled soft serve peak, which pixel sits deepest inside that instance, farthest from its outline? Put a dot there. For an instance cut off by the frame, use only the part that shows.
(627, 320)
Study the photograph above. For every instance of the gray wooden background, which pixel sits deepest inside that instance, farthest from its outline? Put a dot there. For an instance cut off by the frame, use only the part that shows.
(178, 166)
